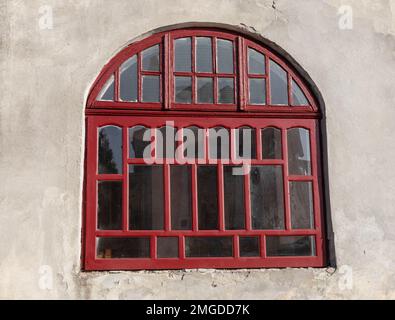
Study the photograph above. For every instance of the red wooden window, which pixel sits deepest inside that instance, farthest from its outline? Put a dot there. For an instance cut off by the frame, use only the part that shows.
(248, 196)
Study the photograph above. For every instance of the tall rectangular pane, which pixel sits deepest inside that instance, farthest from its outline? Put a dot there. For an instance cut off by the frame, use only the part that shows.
(226, 91)
(234, 199)
(302, 211)
(110, 150)
(278, 84)
(128, 80)
(224, 56)
(182, 55)
(204, 90)
(183, 89)
(181, 197)
(151, 89)
(207, 197)
(150, 59)
(299, 157)
(204, 57)
(257, 94)
(109, 205)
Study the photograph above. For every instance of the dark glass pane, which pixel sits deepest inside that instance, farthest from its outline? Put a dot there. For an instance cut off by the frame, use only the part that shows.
(291, 246)
(151, 90)
(245, 143)
(271, 143)
(181, 197)
(107, 92)
(205, 90)
(193, 142)
(109, 205)
(249, 247)
(183, 89)
(207, 197)
(117, 248)
(224, 56)
(204, 57)
(110, 150)
(267, 201)
(299, 160)
(234, 199)
(257, 91)
(302, 211)
(167, 247)
(298, 97)
(137, 143)
(226, 91)
(208, 247)
(278, 85)
(166, 143)
(256, 62)
(145, 197)
(128, 80)
(219, 143)
(183, 54)
(151, 58)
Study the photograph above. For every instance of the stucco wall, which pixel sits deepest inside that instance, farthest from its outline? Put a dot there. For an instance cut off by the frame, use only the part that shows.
(45, 77)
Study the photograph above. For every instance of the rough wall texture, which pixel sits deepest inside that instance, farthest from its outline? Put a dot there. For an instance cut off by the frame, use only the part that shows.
(45, 77)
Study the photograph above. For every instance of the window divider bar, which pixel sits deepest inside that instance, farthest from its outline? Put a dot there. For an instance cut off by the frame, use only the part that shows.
(258, 132)
(287, 206)
(181, 247)
(110, 177)
(166, 54)
(116, 85)
(268, 93)
(220, 181)
(241, 75)
(247, 200)
(125, 199)
(195, 220)
(236, 247)
(289, 89)
(167, 191)
(153, 247)
(263, 246)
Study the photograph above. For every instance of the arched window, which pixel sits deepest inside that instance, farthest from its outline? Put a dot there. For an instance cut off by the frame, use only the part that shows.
(202, 152)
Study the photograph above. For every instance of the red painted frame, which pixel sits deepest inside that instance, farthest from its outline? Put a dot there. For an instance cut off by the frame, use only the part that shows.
(129, 114)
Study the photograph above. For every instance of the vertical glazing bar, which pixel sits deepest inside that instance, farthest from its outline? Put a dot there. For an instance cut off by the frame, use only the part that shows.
(195, 222)
(166, 69)
(258, 132)
(125, 199)
(166, 180)
(236, 247)
(153, 247)
(287, 206)
(267, 68)
(116, 82)
(263, 246)
(220, 182)
(181, 247)
(289, 87)
(214, 63)
(139, 81)
(247, 200)
(242, 72)
(193, 66)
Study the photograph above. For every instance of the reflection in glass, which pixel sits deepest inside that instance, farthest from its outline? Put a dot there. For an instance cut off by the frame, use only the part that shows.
(146, 197)
(234, 200)
(298, 97)
(224, 56)
(245, 143)
(299, 160)
(107, 92)
(278, 84)
(181, 197)
(151, 89)
(207, 197)
(183, 89)
(291, 246)
(167, 247)
(219, 143)
(257, 91)
(204, 90)
(110, 150)
(193, 138)
(249, 247)
(204, 58)
(271, 143)
(117, 248)
(151, 58)
(302, 211)
(267, 200)
(109, 205)
(256, 62)
(208, 247)
(182, 49)
(128, 80)
(137, 143)
(226, 91)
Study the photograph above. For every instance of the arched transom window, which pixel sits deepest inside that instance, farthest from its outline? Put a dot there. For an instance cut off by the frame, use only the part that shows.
(202, 152)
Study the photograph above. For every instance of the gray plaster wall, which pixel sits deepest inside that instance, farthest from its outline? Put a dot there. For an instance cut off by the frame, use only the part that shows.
(46, 75)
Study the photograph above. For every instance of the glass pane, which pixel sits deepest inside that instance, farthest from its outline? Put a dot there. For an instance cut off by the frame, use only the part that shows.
(224, 56)
(151, 58)
(116, 248)
(271, 143)
(256, 62)
(183, 89)
(226, 91)
(302, 211)
(204, 58)
(249, 247)
(181, 197)
(145, 197)
(165, 142)
(219, 143)
(205, 90)
(107, 92)
(109, 205)
(234, 200)
(208, 247)
(278, 85)
(128, 80)
(137, 144)
(299, 161)
(291, 246)
(257, 91)
(167, 247)
(207, 197)
(183, 54)
(110, 150)
(245, 143)
(298, 97)
(267, 200)
(151, 89)
(193, 142)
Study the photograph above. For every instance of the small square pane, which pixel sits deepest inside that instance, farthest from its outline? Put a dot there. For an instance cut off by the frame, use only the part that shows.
(107, 92)
(249, 246)
(302, 211)
(204, 90)
(278, 84)
(226, 91)
(151, 58)
(257, 91)
(183, 89)
(167, 247)
(256, 62)
(151, 89)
